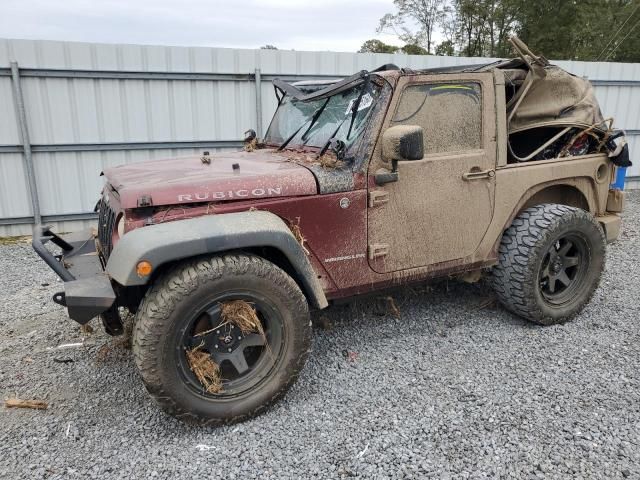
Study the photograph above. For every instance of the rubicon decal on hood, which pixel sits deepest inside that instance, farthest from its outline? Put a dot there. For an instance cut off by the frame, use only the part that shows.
(256, 192)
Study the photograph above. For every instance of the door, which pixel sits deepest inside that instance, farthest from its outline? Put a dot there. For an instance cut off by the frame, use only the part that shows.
(441, 206)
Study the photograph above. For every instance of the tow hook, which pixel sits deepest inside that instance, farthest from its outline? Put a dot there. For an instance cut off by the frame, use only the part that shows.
(60, 298)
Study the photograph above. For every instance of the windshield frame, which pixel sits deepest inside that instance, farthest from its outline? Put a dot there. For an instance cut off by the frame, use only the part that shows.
(362, 79)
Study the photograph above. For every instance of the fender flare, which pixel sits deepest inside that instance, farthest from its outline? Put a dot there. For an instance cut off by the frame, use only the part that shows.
(171, 241)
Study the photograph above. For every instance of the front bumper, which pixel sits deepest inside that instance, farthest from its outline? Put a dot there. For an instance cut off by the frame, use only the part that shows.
(87, 289)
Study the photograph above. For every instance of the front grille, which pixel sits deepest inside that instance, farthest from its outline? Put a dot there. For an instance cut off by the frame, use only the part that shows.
(106, 224)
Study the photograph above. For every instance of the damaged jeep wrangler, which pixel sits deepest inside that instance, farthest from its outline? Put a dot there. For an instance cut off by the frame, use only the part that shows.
(363, 183)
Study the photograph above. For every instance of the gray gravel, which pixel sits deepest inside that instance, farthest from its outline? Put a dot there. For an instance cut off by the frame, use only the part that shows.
(454, 388)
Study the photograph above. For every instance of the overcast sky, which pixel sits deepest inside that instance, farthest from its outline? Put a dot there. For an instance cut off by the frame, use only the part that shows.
(336, 25)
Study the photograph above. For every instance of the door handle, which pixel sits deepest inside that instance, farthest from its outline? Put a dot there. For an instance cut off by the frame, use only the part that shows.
(476, 174)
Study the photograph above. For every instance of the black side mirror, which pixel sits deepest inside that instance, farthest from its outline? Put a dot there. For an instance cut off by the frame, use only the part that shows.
(401, 143)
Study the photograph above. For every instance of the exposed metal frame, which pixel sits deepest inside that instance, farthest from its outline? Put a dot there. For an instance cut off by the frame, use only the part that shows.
(110, 147)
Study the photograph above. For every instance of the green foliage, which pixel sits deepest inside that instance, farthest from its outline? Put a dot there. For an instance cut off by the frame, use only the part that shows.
(414, 50)
(587, 30)
(425, 14)
(377, 46)
(446, 48)
(606, 30)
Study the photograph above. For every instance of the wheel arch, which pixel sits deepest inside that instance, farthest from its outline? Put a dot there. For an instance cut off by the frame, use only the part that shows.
(261, 233)
(570, 192)
(561, 192)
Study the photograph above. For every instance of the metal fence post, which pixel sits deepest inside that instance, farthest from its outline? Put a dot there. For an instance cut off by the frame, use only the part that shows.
(26, 144)
(258, 80)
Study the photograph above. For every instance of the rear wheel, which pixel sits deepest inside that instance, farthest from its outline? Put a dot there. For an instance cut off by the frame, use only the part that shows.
(550, 262)
(180, 327)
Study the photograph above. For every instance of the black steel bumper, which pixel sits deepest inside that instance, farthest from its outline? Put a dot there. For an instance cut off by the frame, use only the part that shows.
(87, 289)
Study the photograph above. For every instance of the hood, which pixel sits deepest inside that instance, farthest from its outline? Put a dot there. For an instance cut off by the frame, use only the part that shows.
(259, 174)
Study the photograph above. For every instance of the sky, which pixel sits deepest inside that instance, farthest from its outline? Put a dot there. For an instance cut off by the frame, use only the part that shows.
(321, 25)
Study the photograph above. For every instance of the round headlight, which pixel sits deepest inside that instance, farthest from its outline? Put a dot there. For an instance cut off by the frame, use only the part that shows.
(120, 226)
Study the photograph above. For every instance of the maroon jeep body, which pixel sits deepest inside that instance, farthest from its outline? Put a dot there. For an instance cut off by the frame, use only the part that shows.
(372, 181)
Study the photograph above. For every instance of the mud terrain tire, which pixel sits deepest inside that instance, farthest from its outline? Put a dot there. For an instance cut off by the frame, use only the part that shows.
(545, 247)
(172, 302)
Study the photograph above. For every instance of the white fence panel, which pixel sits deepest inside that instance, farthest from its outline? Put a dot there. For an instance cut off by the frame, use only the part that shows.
(89, 106)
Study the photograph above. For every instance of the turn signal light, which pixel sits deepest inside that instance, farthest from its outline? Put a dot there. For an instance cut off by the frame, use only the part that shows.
(144, 268)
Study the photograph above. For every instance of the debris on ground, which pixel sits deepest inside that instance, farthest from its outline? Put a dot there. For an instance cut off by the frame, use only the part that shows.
(491, 302)
(117, 346)
(20, 403)
(64, 346)
(349, 355)
(203, 448)
(63, 360)
(205, 369)
(86, 329)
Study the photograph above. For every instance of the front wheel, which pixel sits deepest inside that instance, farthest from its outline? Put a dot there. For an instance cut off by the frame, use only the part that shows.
(217, 340)
(550, 262)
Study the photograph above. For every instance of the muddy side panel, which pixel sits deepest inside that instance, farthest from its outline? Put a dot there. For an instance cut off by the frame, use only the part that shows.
(585, 179)
(167, 242)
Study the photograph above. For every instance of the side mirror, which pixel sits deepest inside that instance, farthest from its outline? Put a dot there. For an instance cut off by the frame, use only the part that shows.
(401, 143)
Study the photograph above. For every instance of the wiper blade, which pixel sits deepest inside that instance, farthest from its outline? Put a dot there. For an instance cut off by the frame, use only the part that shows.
(314, 119)
(356, 105)
(354, 112)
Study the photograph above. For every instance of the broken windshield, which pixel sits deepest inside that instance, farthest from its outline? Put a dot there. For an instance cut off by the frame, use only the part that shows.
(314, 122)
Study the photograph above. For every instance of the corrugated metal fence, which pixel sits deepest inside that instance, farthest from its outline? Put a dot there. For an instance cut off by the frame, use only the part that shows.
(71, 109)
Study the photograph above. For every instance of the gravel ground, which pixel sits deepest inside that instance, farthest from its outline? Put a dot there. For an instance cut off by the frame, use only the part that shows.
(454, 388)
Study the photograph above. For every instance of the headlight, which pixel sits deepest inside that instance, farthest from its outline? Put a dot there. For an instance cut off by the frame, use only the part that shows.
(120, 225)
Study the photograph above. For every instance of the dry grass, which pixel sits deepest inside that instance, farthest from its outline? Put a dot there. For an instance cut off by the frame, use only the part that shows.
(251, 145)
(235, 312)
(330, 161)
(19, 403)
(297, 233)
(242, 315)
(205, 369)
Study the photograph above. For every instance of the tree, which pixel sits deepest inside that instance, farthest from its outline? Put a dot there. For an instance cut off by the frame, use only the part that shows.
(446, 48)
(377, 46)
(425, 14)
(414, 50)
(268, 47)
